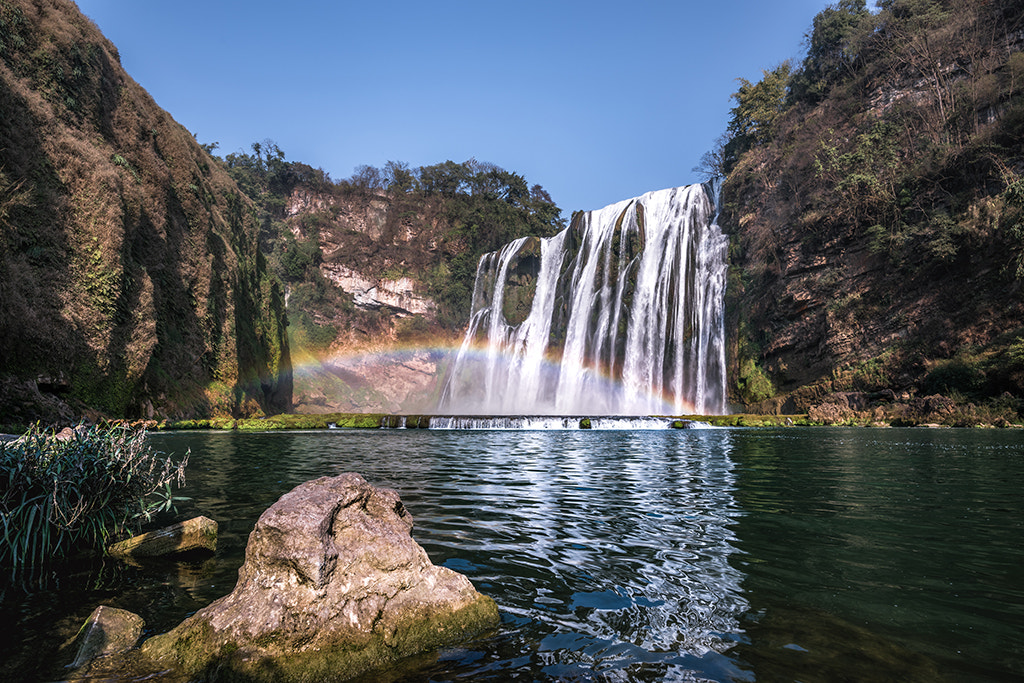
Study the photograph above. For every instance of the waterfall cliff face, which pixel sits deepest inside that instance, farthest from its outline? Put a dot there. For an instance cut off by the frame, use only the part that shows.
(619, 314)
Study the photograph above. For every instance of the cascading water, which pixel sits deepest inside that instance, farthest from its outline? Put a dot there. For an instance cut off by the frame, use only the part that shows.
(621, 313)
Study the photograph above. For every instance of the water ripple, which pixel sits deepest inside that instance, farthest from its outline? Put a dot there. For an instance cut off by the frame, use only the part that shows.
(673, 555)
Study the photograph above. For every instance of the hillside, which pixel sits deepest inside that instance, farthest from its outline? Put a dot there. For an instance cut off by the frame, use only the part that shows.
(142, 276)
(379, 267)
(874, 195)
(131, 279)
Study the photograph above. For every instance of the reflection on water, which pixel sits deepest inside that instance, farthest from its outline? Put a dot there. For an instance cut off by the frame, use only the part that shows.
(723, 555)
(902, 544)
(598, 563)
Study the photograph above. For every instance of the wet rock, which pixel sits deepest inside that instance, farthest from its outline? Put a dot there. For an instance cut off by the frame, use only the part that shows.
(829, 413)
(939, 405)
(196, 534)
(107, 631)
(333, 585)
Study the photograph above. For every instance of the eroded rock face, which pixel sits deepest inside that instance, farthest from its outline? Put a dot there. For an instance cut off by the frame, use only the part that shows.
(332, 585)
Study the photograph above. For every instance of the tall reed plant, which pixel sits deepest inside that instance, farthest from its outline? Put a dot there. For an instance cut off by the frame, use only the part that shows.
(62, 493)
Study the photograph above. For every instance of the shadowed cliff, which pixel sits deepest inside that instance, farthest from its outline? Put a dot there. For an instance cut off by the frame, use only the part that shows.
(131, 278)
(873, 193)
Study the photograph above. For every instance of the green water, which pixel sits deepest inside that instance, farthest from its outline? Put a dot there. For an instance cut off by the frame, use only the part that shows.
(681, 555)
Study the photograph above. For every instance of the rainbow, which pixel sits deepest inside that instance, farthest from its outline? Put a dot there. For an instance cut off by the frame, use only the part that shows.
(352, 372)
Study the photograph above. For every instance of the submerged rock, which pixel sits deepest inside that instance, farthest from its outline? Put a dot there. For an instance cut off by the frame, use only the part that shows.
(107, 631)
(196, 534)
(332, 585)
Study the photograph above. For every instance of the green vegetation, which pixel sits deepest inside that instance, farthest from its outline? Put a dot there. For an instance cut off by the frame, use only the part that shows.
(747, 420)
(978, 373)
(434, 224)
(284, 421)
(892, 153)
(59, 494)
(832, 49)
(753, 383)
(753, 120)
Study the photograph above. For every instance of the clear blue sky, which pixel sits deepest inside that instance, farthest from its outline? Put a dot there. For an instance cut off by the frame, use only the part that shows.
(596, 101)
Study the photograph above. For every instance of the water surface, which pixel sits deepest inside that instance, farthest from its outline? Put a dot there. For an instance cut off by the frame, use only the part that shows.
(679, 555)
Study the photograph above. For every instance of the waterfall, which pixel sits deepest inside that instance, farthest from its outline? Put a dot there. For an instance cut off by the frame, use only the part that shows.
(621, 313)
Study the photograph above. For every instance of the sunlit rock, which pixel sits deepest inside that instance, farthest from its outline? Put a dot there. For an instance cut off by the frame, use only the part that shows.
(107, 631)
(196, 534)
(332, 585)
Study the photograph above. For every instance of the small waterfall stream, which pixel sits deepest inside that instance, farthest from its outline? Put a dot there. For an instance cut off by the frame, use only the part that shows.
(621, 313)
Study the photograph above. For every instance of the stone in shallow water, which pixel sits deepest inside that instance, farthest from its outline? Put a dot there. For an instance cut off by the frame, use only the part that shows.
(332, 585)
(107, 631)
(196, 534)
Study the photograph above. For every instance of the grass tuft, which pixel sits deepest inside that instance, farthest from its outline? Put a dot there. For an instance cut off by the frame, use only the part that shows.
(81, 488)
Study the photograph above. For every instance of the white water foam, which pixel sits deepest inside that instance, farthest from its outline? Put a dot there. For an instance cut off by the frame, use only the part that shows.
(627, 317)
(546, 423)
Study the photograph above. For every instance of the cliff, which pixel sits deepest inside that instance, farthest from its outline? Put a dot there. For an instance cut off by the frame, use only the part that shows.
(873, 198)
(131, 277)
(366, 334)
(379, 268)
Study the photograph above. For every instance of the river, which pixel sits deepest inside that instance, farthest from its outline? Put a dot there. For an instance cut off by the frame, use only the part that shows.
(800, 554)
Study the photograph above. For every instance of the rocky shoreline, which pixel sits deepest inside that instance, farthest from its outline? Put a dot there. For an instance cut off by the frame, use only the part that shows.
(333, 586)
(810, 407)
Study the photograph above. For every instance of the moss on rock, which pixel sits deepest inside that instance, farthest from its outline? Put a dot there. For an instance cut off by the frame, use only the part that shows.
(202, 654)
(333, 586)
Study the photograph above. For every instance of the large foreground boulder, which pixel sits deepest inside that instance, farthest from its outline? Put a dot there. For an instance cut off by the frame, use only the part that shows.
(332, 585)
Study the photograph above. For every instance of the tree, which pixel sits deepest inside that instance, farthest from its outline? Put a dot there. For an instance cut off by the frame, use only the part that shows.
(909, 32)
(758, 107)
(367, 178)
(448, 178)
(539, 194)
(831, 49)
(398, 176)
(713, 164)
(544, 208)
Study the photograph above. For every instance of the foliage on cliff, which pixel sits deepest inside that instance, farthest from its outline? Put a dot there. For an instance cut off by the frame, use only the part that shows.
(430, 224)
(874, 197)
(131, 277)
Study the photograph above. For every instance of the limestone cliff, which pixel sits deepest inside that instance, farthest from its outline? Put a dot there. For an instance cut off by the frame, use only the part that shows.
(875, 209)
(367, 252)
(379, 273)
(131, 277)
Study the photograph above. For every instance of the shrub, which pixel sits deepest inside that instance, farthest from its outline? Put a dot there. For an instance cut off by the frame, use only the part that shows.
(958, 376)
(753, 383)
(57, 494)
(413, 328)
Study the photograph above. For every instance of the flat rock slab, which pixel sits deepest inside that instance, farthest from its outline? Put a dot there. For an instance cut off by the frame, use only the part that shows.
(107, 631)
(198, 533)
(333, 585)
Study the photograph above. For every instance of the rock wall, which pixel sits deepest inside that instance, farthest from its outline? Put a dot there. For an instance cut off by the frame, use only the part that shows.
(369, 250)
(875, 240)
(129, 261)
(398, 295)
